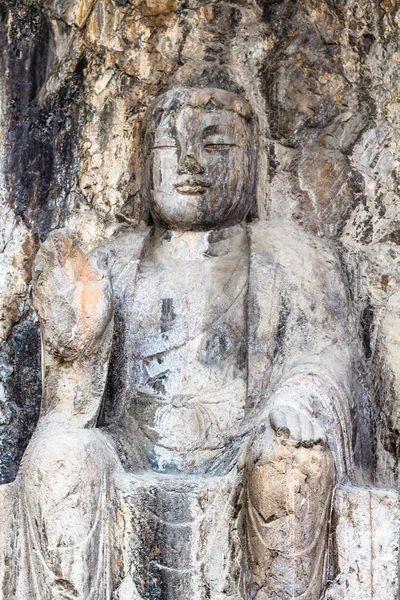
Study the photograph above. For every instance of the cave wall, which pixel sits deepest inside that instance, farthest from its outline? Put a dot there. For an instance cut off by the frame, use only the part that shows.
(322, 77)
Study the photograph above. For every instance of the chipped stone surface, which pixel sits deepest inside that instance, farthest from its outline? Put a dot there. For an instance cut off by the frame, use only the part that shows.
(365, 538)
(18, 249)
(77, 77)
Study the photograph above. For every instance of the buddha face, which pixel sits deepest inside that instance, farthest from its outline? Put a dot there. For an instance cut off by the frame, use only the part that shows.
(198, 167)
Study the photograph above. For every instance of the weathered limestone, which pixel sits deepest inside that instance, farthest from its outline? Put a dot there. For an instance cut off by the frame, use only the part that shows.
(363, 537)
(8, 545)
(76, 80)
(229, 386)
(321, 78)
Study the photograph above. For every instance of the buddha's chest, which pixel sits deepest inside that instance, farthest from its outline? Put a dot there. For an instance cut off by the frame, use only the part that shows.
(178, 300)
(189, 324)
(187, 350)
(182, 366)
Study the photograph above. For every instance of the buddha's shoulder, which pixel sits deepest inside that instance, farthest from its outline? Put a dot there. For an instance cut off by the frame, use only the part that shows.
(287, 244)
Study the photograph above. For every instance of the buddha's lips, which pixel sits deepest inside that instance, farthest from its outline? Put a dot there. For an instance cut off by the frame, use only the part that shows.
(191, 187)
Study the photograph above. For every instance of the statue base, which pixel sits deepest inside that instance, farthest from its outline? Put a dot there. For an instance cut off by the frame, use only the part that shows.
(195, 545)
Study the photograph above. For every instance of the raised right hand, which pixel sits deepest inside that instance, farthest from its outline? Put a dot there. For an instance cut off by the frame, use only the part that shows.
(72, 295)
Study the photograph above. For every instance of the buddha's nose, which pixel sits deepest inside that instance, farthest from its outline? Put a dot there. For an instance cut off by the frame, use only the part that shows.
(190, 162)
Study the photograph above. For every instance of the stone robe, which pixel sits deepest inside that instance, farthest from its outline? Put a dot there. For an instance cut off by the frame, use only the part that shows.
(299, 336)
(297, 332)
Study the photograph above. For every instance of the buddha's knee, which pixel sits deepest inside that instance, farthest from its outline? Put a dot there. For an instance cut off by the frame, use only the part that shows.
(64, 476)
(283, 476)
(76, 455)
(288, 499)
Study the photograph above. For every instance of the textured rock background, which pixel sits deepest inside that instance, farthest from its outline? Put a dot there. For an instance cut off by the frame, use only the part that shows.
(322, 76)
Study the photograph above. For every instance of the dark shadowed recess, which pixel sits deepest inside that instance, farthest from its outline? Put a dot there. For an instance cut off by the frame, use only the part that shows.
(20, 375)
(40, 161)
(40, 144)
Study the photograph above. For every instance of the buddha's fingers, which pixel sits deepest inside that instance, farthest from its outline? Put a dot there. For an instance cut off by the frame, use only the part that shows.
(297, 424)
(279, 423)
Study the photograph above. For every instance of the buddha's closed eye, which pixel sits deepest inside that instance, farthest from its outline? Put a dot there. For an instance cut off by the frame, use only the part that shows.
(218, 139)
(218, 147)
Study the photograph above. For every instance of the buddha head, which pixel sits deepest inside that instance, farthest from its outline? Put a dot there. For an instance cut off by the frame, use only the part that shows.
(199, 159)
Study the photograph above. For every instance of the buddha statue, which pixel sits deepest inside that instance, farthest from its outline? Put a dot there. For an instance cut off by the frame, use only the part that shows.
(197, 379)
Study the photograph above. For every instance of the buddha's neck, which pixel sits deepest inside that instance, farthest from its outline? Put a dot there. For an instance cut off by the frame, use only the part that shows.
(193, 245)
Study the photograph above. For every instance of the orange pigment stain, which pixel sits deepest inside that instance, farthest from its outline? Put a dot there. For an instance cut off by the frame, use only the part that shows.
(89, 294)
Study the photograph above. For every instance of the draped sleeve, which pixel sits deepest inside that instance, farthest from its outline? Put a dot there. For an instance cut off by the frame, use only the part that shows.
(302, 331)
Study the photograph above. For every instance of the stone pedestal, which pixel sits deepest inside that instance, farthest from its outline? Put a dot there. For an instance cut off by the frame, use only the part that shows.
(179, 537)
(364, 548)
(365, 544)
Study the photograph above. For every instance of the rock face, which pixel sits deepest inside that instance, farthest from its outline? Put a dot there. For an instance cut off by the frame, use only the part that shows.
(320, 77)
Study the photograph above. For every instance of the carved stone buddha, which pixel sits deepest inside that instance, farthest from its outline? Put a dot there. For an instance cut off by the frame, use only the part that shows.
(197, 387)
